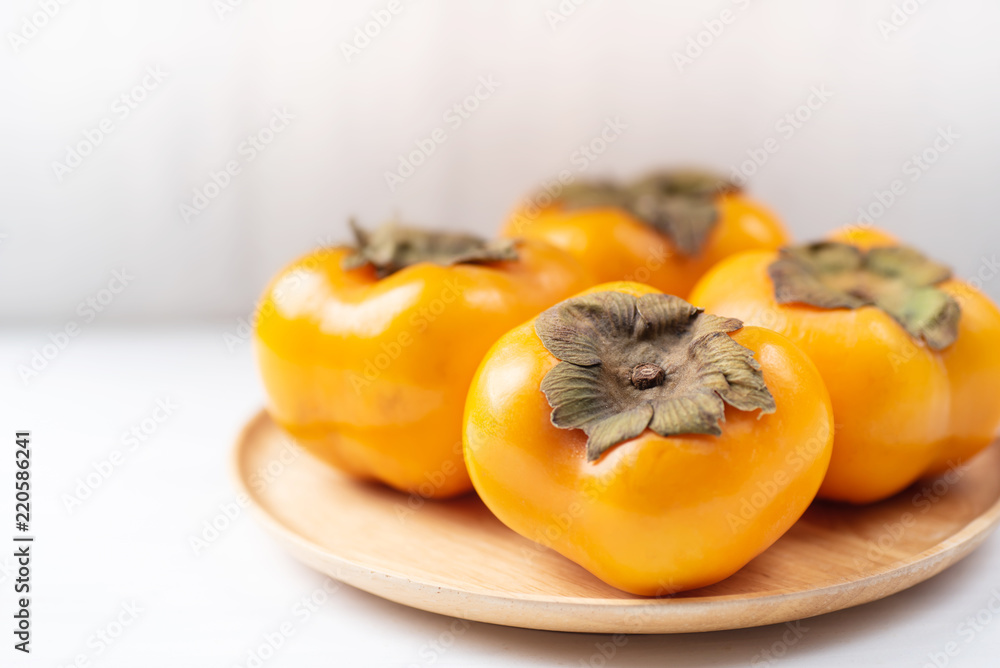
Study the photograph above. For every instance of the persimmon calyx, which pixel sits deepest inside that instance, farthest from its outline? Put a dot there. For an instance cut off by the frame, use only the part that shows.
(392, 247)
(680, 204)
(656, 361)
(899, 280)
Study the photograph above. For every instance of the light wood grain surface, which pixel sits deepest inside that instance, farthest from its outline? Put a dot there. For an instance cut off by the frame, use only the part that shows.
(455, 558)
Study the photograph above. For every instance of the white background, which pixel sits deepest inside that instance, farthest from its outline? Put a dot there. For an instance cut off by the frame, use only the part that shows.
(130, 542)
(163, 336)
(890, 96)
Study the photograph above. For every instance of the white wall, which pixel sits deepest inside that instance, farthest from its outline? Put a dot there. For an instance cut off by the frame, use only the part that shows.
(557, 86)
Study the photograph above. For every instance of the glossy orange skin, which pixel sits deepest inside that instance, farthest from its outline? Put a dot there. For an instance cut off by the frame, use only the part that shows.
(371, 375)
(653, 515)
(615, 246)
(903, 411)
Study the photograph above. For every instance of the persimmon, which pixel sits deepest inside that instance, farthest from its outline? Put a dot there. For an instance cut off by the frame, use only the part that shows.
(367, 352)
(659, 447)
(909, 354)
(665, 229)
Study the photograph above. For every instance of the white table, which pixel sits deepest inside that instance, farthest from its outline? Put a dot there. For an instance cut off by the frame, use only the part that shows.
(128, 544)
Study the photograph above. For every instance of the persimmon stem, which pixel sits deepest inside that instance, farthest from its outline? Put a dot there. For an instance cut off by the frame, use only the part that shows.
(393, 247)
(681, 204)
(645, 376)
(900, 281)
(616, 353)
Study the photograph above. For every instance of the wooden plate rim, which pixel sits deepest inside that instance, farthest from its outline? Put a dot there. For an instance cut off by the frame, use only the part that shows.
(921, 567)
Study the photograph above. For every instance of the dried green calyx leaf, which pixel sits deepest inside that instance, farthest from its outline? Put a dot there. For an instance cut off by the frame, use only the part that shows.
(899, 280)
(392, 247)
(680, 204)
(655, 361)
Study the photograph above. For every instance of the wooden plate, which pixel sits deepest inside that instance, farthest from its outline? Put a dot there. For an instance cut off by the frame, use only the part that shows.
(456, 559)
